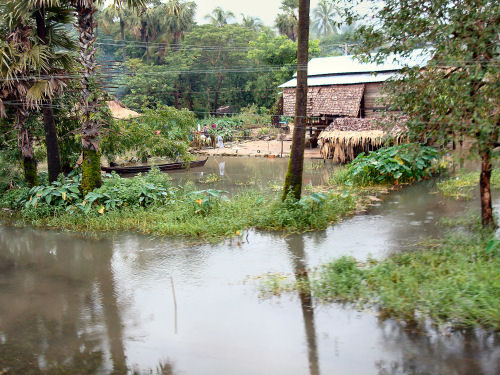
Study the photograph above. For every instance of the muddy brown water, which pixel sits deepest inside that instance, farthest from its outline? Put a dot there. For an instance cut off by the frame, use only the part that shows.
(137, 304)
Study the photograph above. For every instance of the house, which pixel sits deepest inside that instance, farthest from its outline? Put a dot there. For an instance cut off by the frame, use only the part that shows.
(345, 103)
(342, 86)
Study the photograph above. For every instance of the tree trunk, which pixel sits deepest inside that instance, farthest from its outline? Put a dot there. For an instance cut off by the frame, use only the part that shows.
(216, 100)
(91, 165)
(25, 144)
(485, 190)
(122, 33)
(51, 143)
(293, 179)
(53, 158)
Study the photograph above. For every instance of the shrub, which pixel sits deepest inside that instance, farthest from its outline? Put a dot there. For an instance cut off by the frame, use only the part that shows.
(402, 163)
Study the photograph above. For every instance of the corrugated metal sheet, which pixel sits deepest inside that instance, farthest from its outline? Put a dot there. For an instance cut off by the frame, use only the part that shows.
(344, 79)
(349, 64)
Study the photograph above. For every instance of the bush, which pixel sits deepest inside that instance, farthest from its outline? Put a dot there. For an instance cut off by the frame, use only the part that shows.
(315, 211)
(391, 165)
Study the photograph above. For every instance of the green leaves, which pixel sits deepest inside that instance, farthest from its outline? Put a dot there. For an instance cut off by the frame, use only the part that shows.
(403, 163)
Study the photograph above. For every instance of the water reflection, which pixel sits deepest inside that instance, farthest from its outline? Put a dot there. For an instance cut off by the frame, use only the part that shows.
(298, 258)
(58, 305)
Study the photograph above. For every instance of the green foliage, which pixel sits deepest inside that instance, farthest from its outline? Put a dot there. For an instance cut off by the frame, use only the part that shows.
(389, 165)
(462, 185)
(161, 132)
(205, 201)
(315, 211)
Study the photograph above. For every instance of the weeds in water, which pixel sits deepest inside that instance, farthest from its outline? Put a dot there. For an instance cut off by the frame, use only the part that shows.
(450, 280)
(210, 179)
(462, 185)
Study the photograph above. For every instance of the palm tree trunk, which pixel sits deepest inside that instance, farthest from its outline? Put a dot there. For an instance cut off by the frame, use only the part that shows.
(53, 158)
(293, 179)
(91, 165)
(51, 143)
(25, 143)
(485, 190)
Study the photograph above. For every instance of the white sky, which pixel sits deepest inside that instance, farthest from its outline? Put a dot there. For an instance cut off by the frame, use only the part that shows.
(266, 10)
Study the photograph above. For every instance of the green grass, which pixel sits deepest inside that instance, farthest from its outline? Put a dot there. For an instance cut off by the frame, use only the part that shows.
(461, 186)
(453, 280)
(183, 218)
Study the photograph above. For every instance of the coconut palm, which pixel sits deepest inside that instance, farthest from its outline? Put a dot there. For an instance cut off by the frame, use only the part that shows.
(287, 24)
(220, 17)
(324, 17)
(117, 12)
(91, 128)
(178, 18)
(254, 23)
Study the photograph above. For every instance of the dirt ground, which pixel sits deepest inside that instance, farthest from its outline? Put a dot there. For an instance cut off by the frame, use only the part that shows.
(258, 148)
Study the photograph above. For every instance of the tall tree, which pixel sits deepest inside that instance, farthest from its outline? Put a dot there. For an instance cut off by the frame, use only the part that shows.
(324, 18)
(49, 18)
(91, 127)
(117, 11)
(254, 23)
(220, 17)
(293, 179)
(179, 18)
(456, 96)
(286, 22)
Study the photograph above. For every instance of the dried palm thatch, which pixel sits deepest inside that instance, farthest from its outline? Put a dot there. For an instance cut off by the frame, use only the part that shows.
(119, 111)
(346, 138)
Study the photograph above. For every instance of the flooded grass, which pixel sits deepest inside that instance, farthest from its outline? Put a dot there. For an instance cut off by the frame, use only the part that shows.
(462, 185)
(453, 280)
(248, 209)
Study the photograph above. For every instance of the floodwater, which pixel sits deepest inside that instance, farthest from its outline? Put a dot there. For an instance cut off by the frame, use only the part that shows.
(137, 304)
(236, 173)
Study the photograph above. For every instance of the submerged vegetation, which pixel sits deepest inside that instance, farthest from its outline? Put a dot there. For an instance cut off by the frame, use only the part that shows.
(463, 184)
(452, 280)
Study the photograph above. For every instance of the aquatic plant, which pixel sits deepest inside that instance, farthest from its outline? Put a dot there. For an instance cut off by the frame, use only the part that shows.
(392, 165)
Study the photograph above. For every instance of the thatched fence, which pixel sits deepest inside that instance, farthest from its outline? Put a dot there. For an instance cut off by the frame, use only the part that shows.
(345, 138)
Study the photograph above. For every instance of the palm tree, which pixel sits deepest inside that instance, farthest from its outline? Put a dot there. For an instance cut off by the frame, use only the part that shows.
(287, 24)
(324, 17)
(27, 70)
(50, 16)
(254, 23)
(117, 12)
(91, 128)
(179, 18)
(220, 17)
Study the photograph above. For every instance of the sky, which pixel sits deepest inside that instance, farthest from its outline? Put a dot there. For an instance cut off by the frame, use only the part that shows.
(266, 10)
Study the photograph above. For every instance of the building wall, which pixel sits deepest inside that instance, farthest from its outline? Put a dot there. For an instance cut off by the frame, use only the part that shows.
(373, 105)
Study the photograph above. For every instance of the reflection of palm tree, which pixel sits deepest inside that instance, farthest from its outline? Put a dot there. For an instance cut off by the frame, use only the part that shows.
(220, 17)
(324, 18)
(296, 249)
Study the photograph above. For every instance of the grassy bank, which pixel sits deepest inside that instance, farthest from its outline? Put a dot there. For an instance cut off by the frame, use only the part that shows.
(152, 204)
(452, 280)
(463, 184)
